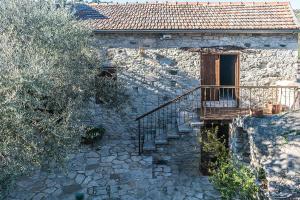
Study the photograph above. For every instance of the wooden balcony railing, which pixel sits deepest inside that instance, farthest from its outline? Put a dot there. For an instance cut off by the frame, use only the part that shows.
(227, 102)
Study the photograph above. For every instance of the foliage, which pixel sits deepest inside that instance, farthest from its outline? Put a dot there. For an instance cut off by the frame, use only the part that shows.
(232, 179)
(47, 74)
(64, 3)
(212, 149)
(235, 180)
(297, 12)
(213, 145)
(261, 174)
(92, 135)
(93, 132)
(116, 94)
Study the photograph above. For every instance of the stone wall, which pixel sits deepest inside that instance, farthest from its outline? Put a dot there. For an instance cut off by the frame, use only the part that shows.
(238, 141)
(243, 149)
(298, 72)
(158, 69)
(273, 149)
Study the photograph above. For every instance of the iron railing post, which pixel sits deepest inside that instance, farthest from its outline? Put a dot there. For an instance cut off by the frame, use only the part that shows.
(140, 144)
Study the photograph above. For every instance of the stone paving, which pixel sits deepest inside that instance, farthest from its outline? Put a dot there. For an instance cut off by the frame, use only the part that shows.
(113, 170)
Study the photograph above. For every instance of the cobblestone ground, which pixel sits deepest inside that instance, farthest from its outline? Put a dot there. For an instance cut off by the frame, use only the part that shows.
(113, 170)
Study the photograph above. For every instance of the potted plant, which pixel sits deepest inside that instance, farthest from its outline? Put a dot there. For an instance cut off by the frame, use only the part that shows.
(92, 134)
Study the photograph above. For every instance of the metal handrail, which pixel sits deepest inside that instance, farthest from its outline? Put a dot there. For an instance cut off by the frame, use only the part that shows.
(246, 86)
(168, 103)
(205, 101)
(206, 86)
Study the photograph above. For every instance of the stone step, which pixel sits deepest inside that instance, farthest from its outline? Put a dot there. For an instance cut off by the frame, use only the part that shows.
(184, 128)
(149, 145)
(161, 137)
(183, 121)
(149, 140)
(171, 131)
(172, 134)
(196, 123)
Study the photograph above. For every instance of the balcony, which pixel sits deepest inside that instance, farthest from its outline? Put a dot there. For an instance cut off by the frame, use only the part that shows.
(228, 102)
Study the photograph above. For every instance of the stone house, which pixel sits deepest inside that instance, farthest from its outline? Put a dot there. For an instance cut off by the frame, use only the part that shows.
(182, 60)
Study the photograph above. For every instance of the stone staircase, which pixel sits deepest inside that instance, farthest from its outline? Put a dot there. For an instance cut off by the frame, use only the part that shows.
(175, 147)
(169, 121)
(178, 126)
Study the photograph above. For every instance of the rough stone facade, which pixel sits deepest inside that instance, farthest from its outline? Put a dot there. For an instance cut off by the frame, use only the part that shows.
(271, 144)
(158, 69)
(155, 70)
(238, 141)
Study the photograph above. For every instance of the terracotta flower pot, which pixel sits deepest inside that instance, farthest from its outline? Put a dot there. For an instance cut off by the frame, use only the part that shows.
(268, 109)
(277, 108)
(258, 112)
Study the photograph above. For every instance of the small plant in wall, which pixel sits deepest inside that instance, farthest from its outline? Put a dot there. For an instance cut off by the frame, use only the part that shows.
(79, 196)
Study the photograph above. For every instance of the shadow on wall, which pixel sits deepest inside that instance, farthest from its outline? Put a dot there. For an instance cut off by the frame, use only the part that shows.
(153, 76)
(85, 12)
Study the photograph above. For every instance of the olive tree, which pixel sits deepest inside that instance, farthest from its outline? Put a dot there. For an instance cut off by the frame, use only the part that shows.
(47, 72)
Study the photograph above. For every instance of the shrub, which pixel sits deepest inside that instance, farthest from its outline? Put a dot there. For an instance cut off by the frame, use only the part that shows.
(47, 76)
(213, 150)
(231, 178)
(234, 180)
(92, 135)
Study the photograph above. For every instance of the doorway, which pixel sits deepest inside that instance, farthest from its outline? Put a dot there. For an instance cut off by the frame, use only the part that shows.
(227, 70)
(228, 75)
(220, 70)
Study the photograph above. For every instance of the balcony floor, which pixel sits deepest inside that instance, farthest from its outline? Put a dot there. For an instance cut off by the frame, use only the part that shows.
(224, 113)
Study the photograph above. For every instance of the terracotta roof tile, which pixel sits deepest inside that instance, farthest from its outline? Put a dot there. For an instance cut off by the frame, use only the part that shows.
(190, 16)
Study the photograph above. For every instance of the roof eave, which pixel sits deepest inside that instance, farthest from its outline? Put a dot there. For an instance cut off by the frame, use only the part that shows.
(99, 31)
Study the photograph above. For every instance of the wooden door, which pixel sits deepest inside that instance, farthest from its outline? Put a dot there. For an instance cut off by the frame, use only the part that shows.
(210, 76)
(237, 80)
